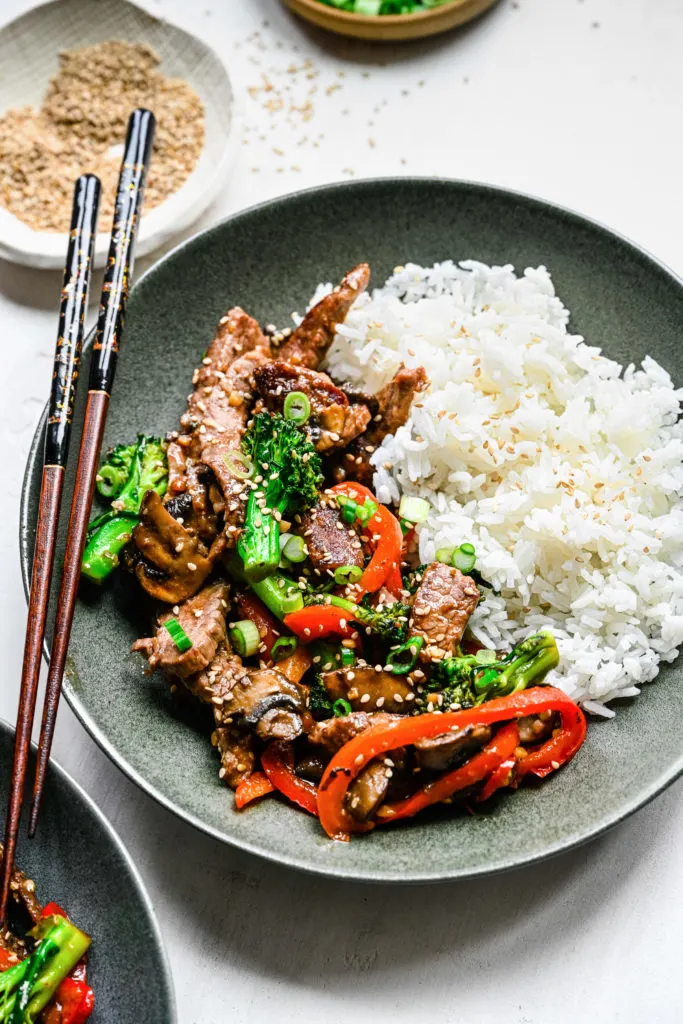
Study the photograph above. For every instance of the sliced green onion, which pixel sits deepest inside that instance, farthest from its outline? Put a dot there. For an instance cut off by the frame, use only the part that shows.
(239, 464)
(366, 511)
(245, 638)
(485, 656)
(404, 658)
(283, 647)
(294, 548)
(341, 708)
(297, 407)
(347, 574)
(178, 634)
(415, 510)
(406, 527)
(464, 558)
(292, 601)
(349, 513)
(444, 555)
(347, 657)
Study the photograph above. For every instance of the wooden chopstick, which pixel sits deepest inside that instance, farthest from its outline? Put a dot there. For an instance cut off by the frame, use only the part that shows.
(72, 310)
(110, 323)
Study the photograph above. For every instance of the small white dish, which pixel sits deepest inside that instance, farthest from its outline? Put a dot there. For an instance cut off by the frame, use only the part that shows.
(29, 50)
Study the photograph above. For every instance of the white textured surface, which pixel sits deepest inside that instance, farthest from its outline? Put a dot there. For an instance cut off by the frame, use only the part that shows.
(593, 936)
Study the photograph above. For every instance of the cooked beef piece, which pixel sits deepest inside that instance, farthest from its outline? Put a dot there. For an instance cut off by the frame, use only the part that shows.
(368, 790)
(309, 343)
(237, 755)
(334, 421)
(394, 693)
(441, 753)
(174, 563)
(267, 703)
(23, 893)
(394, 401)
(331, 542)
(203, 619)
(536, 728)
(215, 682)
(217, 412)
(333, 733)
(443, 604)
(358, 397)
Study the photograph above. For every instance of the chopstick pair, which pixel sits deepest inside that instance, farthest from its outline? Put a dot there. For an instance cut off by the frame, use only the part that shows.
(110, 323)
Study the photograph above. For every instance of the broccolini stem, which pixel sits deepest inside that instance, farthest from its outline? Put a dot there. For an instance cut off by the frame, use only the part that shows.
(528, 663)
(26, 989)
(259, 542)
(102, 551)
(278, 592)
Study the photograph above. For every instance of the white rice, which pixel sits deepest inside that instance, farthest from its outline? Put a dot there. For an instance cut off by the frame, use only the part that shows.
(564, 472)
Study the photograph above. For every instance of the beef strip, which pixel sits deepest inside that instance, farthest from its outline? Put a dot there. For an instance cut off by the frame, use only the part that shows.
(217, 412)
(174, 563)
(309, 343)
(443, 604)
(214, 683)
(394, 401)
(334, 420)
(236, 752)
(331, 542)
(203, 619)
(332, 733)
(441, 753)
(265, 702)
(363, 687)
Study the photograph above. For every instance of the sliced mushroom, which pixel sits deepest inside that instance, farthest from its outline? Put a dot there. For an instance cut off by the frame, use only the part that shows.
(441, 753)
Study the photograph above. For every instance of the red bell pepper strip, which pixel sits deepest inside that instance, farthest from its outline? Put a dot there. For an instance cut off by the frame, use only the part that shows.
(502, 776)
(277, 761)
(7, 959)
(253, 788)
(476, 769)
(387, 540)
(316, 621)
(394, 581)
(77, 1001)
(380, 738)
(53, 910)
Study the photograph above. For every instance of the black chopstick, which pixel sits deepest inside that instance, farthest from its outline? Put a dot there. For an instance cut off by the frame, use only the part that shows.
(110, 324)
(72, 310)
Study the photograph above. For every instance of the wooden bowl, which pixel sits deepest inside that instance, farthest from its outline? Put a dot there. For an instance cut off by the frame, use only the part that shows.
(390, 27)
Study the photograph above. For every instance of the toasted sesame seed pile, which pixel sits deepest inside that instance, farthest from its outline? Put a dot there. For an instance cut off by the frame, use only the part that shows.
(82, 118)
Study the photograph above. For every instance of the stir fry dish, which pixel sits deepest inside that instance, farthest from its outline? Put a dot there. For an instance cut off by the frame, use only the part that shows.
(42, 962)
(340, 672)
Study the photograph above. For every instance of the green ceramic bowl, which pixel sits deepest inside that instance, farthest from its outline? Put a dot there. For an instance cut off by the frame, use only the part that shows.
(77, 860)
(269, 260)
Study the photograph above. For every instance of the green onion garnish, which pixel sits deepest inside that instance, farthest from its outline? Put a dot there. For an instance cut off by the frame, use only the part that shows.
(347, 657)
(178, 634)
(444, 555)
(404, 658)
(294, 549)
(415, 510)
(297, 408)
(245, 638)
(291, 600)
(347, 574)
(351, 510)
(341, 708)
(239, 464)
(283, 647)
(464, 557)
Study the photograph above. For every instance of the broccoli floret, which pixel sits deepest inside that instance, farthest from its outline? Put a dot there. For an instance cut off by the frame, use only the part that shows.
(319, 703)
(109, 533)
(115, 470)
(472, 679)
(414, 578)
(389, 623)
(291, 473)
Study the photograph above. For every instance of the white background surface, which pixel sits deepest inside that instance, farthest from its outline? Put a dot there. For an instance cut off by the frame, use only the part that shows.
(578, 101)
